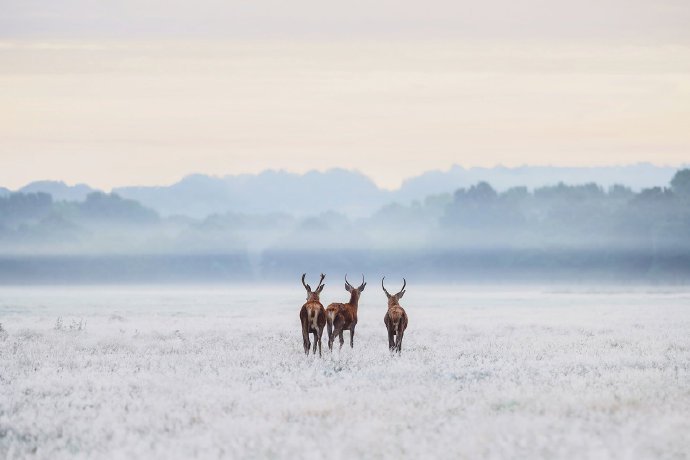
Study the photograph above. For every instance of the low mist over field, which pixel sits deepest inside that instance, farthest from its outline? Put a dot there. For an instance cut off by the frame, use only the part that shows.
(557, 226)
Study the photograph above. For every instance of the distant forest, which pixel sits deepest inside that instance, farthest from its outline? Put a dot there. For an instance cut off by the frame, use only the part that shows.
(560, 233)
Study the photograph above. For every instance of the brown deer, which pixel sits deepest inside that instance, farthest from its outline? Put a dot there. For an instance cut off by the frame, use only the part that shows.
(312, 315)
(395, 319)
(341, 316)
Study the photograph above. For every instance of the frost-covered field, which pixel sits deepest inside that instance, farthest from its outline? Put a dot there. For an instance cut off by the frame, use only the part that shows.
(210, 372)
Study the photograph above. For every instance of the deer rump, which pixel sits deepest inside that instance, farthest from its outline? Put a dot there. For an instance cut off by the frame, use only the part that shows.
(338, 314)
(396, 323)
(313, 317)
(395, 320)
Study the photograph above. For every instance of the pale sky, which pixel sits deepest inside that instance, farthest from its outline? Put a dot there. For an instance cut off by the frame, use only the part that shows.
(145, 92)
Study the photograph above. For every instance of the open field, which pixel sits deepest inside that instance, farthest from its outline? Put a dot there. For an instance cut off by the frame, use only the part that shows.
(152, 372)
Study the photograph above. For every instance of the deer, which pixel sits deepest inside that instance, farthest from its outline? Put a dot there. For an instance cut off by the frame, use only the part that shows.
(312, 315)
(342, 316)
(395, 319)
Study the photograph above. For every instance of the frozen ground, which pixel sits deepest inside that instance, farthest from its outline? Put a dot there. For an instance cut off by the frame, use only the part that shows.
(208, 372)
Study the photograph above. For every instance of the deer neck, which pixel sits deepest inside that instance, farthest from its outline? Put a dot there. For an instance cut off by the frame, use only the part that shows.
(354, 299)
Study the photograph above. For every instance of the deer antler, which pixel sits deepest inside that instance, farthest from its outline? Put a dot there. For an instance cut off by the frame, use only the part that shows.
(320, 281)
(384, 287)
(361, 285)
(347, 282)
(404, 284)
(306, 286)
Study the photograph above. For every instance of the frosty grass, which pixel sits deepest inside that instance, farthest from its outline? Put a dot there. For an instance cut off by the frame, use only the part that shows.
(214, 372)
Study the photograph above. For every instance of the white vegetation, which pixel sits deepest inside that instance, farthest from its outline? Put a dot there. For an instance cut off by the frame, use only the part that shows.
(180, 373)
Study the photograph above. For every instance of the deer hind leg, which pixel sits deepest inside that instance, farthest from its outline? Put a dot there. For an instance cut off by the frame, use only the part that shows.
(329, 329)
(316, 340)
(352, 337)
(398, 344)
(319, 338)
(389, 329)
(331, 339)
(305, 337)
(337, 332)
(331, 336)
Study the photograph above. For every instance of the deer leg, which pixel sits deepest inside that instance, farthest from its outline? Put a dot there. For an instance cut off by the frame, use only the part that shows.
(337, 332)
(391, 337)
(399, 340)
(316, 339)
(389, 329)
(305, 337)
(352, 337)
(319, 339)
(331, 338)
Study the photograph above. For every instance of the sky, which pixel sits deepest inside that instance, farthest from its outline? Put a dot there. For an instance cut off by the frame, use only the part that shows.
(141, 92)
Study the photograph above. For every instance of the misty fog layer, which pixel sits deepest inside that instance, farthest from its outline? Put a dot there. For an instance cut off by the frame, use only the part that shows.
(476, 233)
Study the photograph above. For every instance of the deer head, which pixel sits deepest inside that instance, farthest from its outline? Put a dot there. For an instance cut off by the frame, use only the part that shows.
(354, 291)
(394, 299)
(313, 296)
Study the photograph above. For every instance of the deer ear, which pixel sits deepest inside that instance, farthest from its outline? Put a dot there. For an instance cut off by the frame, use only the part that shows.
(318, 291)
(400, 294)
(347, 288)
(361, 288)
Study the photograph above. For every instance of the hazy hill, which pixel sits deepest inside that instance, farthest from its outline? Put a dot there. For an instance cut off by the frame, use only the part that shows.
(59, 190)
(347, 192)
(271, 191)
(354, 194)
